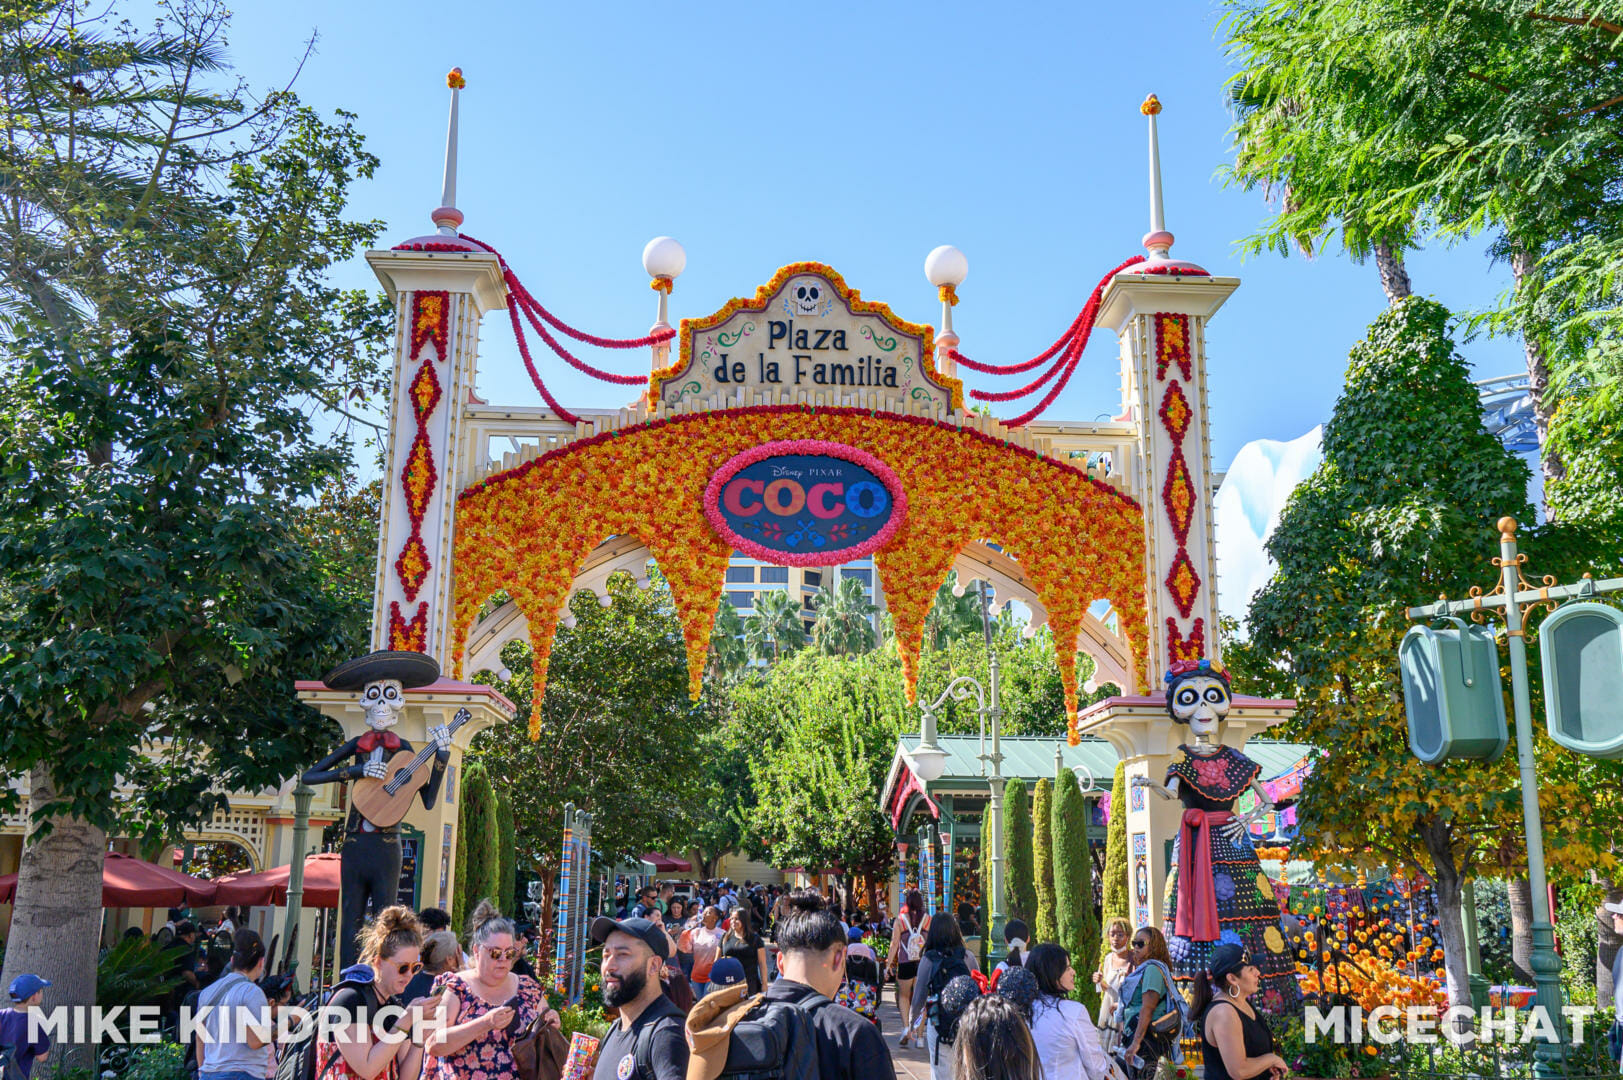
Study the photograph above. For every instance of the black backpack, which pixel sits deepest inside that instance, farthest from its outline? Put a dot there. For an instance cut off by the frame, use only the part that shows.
(298, 1060)
(944, 967)
(9, 1069)
(775, 1041)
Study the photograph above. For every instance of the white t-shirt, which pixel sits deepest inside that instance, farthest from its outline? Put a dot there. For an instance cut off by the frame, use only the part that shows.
(1067, 1042)
(235, 1007)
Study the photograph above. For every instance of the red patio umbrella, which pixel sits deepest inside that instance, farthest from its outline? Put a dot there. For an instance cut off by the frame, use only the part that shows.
(128, 882)
(666, 864)
(268, 888)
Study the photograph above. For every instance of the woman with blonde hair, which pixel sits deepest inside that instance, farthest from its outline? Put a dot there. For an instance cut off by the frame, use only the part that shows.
(391, 948)
(486, 1006)
(1113, 968)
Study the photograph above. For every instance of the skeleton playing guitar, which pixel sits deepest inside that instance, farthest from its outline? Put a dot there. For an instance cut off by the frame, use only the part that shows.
(384, 802)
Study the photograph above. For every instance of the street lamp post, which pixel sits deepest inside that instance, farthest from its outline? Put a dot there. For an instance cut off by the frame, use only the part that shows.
(302, 794)
(929, 759)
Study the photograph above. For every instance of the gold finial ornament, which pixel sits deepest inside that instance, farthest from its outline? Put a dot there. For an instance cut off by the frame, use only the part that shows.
(454, 79)
(1507, 528)
(1151, 106)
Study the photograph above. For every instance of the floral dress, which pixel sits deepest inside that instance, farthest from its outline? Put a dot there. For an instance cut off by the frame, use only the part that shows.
(1246, 912)
(490, 1056)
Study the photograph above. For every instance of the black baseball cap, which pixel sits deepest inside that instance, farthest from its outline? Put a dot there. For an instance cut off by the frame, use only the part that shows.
(642, 929)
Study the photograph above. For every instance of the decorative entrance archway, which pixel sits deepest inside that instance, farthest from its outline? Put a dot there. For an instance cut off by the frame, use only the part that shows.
(537, 502)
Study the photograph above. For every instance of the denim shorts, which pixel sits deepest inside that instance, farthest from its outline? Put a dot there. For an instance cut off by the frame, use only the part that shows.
(234, 1074)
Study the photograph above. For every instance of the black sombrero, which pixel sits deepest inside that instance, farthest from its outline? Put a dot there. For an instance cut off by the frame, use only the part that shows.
(410, 668)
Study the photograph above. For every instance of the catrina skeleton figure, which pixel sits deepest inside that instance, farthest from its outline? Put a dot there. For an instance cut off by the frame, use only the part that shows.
(1216, 892)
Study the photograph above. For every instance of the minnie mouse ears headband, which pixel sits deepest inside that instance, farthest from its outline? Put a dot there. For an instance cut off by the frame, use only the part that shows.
(1185, 669)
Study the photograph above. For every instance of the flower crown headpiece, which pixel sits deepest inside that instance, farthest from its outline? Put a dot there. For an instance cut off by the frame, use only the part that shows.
(1181, 669)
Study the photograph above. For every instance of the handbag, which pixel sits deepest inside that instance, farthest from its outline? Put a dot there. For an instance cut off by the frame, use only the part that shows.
(539, 1051)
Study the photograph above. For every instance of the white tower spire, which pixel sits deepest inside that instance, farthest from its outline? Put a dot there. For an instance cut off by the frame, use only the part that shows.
(1158, 242)
(447, 217)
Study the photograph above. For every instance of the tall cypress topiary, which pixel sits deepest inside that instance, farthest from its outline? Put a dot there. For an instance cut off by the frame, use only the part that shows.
(986, 884)
(1116, 885)
(1073, 887)
(1017, 844)
(476, 862)
(1042, 846)
(506, 855)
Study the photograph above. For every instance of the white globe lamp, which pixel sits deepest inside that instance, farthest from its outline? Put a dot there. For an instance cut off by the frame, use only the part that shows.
(946, 265)
(663, 257)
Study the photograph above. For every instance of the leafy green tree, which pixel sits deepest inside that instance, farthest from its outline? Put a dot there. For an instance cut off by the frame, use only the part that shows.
(618, 738)
(1116, 886)
(170, 340)
(506, 855)
(952, 617)
(1046, 928)
(775, 630)
(478, 862)
(845, 619)
(1402, 509)
(728, 656)
(1017, 849)
(1078, 930)
(817, 789)
(1477, 117)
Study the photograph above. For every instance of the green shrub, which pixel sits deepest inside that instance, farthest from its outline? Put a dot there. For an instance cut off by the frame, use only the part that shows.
(1042, 848)
(477, 864)
(1021, 882)
(1115, 883)
(1073, 887)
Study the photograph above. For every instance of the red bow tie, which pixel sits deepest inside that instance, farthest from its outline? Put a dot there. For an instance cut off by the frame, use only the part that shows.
(373, 739)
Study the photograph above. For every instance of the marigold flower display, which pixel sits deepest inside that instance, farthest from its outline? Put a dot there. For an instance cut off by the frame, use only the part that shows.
(529, 530)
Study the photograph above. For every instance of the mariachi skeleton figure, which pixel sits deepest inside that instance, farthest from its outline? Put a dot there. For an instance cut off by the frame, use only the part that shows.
(370, 866)
(1216, 891)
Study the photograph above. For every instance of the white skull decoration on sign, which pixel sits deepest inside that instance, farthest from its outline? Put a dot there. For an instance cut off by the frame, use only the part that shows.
(383, 701)
(1202, 702)
(808, 297)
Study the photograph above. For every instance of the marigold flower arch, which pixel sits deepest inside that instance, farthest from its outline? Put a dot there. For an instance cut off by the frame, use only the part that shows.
(529, 531)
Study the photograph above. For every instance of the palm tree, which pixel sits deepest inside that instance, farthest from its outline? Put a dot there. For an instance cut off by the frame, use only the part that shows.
(844, 619)
(952, 617)
(775, 628)
(727, 654)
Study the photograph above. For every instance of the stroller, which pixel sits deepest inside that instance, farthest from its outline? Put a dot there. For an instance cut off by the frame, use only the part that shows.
(860, 991)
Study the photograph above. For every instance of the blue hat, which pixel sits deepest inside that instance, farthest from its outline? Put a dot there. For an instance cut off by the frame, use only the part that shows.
(854, 935)
(726, 972)
(24, 987)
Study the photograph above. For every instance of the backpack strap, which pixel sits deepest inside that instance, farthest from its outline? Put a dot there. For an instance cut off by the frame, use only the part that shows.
(642, 1051)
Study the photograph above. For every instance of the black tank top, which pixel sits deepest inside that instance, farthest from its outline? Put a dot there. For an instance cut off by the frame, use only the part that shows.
(1258, 1041)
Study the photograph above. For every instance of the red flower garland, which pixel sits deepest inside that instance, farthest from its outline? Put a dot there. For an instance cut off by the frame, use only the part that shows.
(1189, 648)
(430, 321)
(816, 448)
(408, 636)
(1172, 344)
(1179, 496)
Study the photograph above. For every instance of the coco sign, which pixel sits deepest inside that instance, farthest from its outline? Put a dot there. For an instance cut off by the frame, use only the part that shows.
(805, 502)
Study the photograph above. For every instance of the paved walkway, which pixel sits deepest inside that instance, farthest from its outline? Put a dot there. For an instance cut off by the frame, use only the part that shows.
(913, 1063)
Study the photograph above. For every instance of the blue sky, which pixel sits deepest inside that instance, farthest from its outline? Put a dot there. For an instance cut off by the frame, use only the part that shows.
(857, 135)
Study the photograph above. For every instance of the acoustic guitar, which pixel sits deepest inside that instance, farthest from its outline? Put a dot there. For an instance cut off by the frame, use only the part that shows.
(385, 802)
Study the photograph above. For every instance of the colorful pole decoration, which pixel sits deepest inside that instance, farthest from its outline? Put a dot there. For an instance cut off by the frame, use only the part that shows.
(927, 869)
(946, 866)
(901, 874)
(569, 954)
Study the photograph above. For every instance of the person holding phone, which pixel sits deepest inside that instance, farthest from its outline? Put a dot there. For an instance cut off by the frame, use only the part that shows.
(486, 1006)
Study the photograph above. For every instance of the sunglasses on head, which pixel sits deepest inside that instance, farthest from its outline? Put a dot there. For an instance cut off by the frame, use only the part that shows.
(495, 952)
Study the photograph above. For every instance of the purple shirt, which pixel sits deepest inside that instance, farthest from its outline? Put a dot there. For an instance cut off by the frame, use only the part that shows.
(14, 1033)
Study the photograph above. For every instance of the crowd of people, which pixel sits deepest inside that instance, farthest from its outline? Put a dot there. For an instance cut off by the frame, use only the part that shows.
(695, 990)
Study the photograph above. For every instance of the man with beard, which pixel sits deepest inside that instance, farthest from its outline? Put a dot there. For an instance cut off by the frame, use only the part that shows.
(648, 1042)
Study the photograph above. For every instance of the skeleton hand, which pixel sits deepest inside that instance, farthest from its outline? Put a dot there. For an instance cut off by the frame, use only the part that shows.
(1140, 782)
(377, 770)
(1236, 828)
(441, 736)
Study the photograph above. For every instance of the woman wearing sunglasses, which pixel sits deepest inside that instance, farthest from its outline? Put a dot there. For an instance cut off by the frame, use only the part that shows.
(390, 955)
(486, 1006)
(1151, 1008)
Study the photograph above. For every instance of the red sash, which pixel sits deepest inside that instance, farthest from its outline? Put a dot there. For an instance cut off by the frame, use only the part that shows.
(1197, 902)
